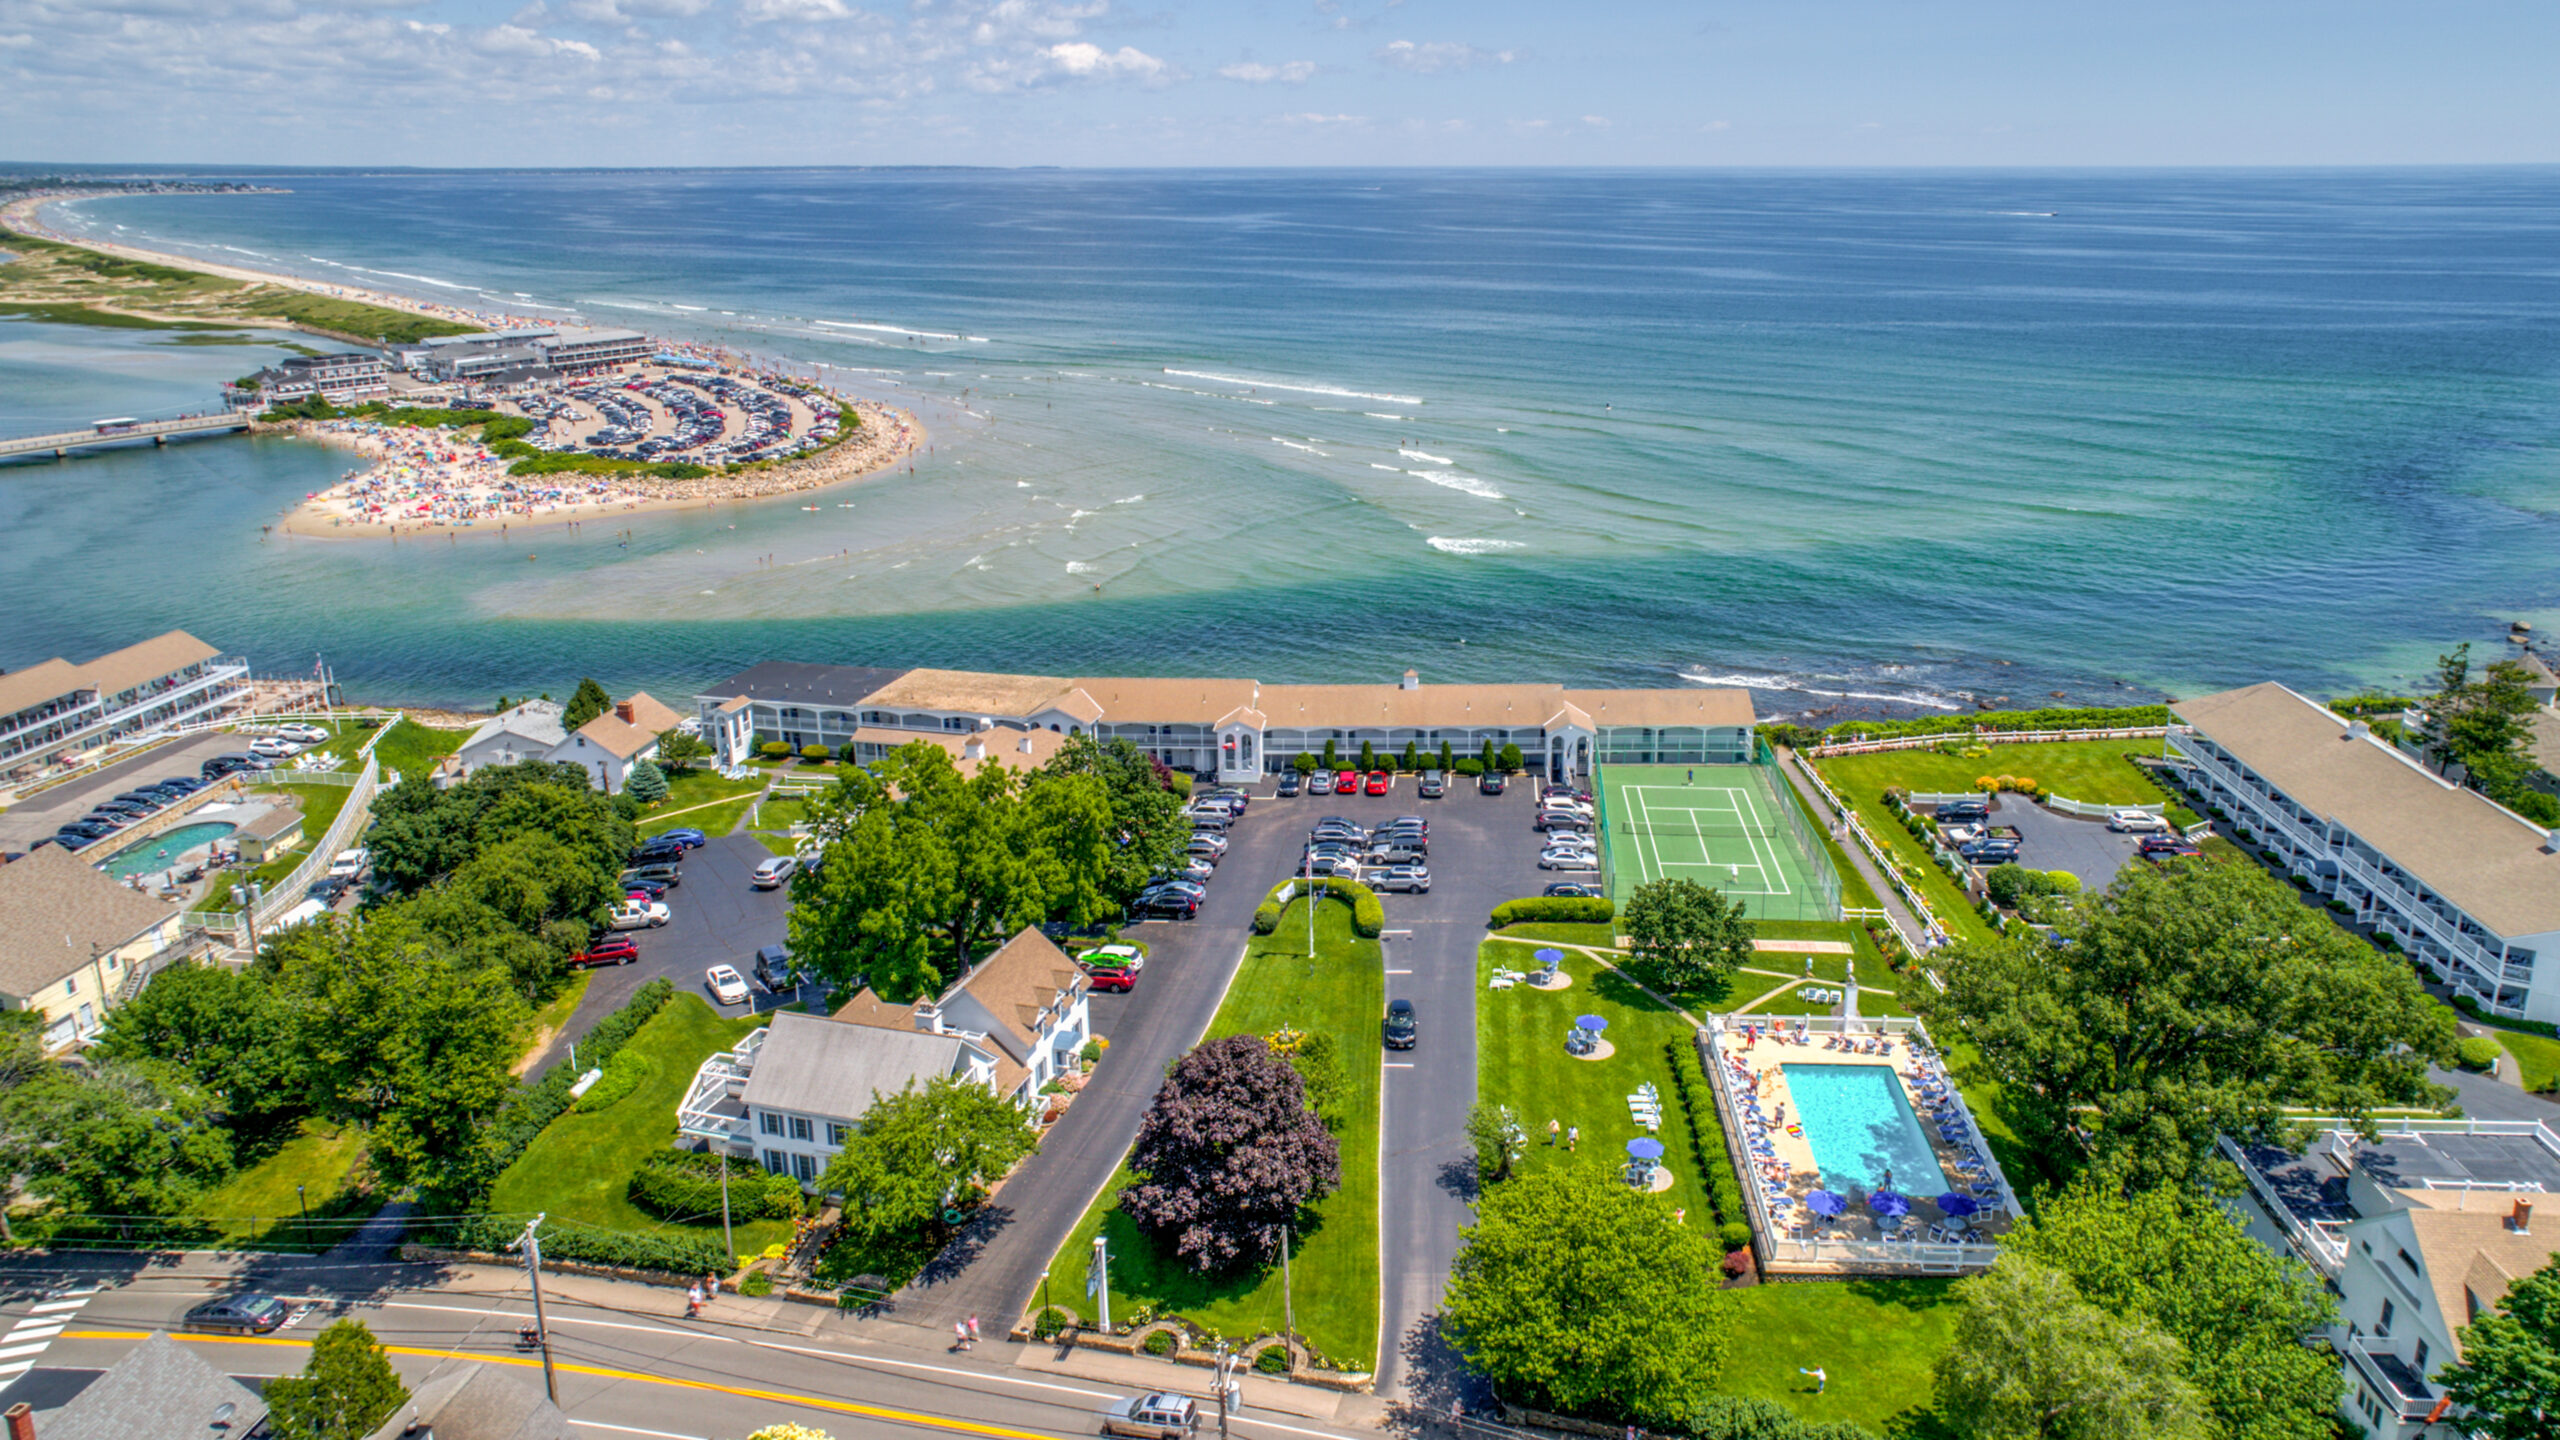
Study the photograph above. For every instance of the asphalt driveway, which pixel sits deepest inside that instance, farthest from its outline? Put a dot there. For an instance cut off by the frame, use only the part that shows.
(2053, 841)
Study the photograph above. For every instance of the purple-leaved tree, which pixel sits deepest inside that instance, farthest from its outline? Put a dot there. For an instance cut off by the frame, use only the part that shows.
(1228, 1153)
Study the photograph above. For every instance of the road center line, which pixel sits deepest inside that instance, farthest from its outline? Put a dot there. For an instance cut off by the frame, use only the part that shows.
(636, 1430)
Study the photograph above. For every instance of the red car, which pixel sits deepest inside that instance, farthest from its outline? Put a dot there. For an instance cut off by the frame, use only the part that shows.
(612, 950)
(1347, 783)
(1378, 782)
(1113, 978)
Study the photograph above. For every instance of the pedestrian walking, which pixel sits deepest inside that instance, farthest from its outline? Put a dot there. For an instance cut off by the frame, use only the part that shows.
(960, 1334)
(1555, 1131)
(973, 1330)
(1572, 1137)
(693, 1301)
(711, 1284)
(1820, 1378)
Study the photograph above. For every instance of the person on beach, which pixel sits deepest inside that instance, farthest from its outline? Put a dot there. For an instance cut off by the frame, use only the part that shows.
(1821, 1378)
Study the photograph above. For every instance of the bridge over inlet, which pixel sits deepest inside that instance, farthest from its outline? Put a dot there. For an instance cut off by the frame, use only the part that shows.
(158, 432)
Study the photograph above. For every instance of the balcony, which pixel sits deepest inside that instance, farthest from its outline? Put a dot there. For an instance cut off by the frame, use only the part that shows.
(714, 1108)
(2391, 1378)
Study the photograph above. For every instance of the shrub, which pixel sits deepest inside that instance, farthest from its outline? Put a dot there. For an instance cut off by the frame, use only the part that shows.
(2478, 1052)
(622, 1075)
(530, 1109)
(1706, 1135)
(1368, 915)
(815, 752)
(1737, 1263)
(1734, 1236)
(1985, 782)
(1181, 785)
(668, 1254)
(1467, 765)
(2008, 782)
(775, 749)
(1048, 1323)
(1092, 1050)
(1160, 1342)
(1266, 918)
(2061, 882)
(1557, 909)
(1508, 760)
(2025, 785)
(684, 1185)
(1274, 1360)
(757, 1283)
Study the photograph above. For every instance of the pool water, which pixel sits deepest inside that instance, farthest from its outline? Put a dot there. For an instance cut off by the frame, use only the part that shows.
(1861, 1126)
(164, 850)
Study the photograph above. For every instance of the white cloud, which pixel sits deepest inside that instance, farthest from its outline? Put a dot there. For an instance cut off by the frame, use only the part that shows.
(1440, 56)
(11, 42)
(1069, 60)
(1254, 72)
(759, 12)
(623, 12)
(1714, 125)
(1311, 118)
(1596, 122)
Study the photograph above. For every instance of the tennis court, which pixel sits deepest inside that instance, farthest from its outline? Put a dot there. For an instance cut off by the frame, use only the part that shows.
(1723, 826)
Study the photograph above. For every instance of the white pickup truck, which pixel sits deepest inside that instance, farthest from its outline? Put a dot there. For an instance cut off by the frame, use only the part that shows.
(1152, 1417)
(640, 914)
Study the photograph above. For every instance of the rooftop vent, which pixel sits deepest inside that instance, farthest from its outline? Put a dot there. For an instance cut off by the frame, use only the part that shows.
(2551, 843)
(2357, 730)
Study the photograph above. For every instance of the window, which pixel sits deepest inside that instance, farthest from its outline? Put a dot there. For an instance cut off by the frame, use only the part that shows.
(838, 1134)
(768, 1122)
(801, 1129)
(777, 1163)
(2382, 1323)
(2418, 1360)
(956, 722)
(71, 986)
(2412, 1264)
(804, 1168)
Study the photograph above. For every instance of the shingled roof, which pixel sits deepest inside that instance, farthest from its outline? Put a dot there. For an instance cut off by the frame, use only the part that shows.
(55, 911)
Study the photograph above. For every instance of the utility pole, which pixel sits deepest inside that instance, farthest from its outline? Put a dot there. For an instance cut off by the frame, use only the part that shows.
(1288, 1303)
(532, 1243)
(1226, 1367)
(1098, 1282)
(728, 1241)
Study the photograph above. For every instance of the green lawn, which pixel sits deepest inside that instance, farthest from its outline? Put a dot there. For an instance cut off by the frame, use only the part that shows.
(715, 820)
(581, 1166)
(320, 807)
(1335, 1265)
(547, 1021)
(1521, 1062)
(2537, 1055)
(2093, 771)
(1953, 909)
(412, 749)
(258, 1207)
(1877, 1338)
(699, 787)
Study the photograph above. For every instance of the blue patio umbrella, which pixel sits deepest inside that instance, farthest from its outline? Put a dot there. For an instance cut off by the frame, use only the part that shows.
(1645, 1147)
(1890, 1203)
(1592, 1023)
(1823, 1202)
(1952, 1203)
(1550, 957)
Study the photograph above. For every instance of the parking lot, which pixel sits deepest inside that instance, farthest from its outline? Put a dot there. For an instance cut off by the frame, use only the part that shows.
(2049, 841)
(24, 824)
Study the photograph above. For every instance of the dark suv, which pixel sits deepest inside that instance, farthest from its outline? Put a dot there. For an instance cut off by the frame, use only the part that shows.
(1489, 784)
(1401, 1027)
(1961, 810)
(1164, 905)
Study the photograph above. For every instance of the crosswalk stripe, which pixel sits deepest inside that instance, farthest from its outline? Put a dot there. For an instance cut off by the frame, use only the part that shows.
(51, 1307)
(32, 1331)
(14, 1351)
(16, 1368)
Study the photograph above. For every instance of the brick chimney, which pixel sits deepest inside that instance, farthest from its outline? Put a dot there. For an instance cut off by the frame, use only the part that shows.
(22, 1422)
(2520, 1220)
(623, 709)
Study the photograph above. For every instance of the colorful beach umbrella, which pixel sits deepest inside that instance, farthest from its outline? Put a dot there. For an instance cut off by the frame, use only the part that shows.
(1823, 1202)
(1550, 957)
(1645, 1147)
(1952, 1203)
(1594, 1023)
(1889, 1203)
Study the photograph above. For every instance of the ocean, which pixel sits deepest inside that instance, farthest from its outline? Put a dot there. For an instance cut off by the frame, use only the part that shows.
(1863, 442)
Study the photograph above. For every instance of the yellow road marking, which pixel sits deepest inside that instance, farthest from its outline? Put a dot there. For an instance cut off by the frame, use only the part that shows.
(849, 1407)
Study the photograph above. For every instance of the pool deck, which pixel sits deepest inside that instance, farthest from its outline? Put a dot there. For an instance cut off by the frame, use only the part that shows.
(1754, 1070)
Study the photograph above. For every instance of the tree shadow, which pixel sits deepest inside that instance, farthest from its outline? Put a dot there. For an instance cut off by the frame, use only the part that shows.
(964, 1247)
(1460, 1178)
(1431, 1376)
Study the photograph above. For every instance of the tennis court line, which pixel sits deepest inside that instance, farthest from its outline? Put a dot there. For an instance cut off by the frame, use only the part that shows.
(1759, 832)
(1746, 819)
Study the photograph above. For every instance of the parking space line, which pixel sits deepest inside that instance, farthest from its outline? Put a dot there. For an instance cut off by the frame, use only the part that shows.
(1397, 1064)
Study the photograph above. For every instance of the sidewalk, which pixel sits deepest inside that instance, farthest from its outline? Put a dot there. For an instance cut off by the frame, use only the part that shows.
(1903, 918)
(1139, 1374)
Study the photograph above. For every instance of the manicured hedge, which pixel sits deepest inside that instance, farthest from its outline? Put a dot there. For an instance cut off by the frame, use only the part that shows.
(1706, 1133)
(1566, 909)
(536, 1106)
(685, 1185)
(630, 1249)
(1368, 916)
(622, 1075)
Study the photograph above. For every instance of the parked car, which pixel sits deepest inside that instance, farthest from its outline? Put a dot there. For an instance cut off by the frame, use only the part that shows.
(147, 799)
(1319, 866)
(221, 765)
(275, 745)
(1320, 783)
(611, 950)
(658, 851)
(775, 969)
(1111, 979)
(1211, 848)
(774, 872)
(1379, 782)
(1990, 852)
(297, 730)
(1192, 888)
(1125, 957)
(1402, 1029)
(2161, 847)
(636, 915)
(1393, 852)
(1575, 889)
(2136, 822)
(1972, 807)
(179, 785)
(248, 1313)
(1411, 879)
(1563, 820)
(725, 984)
(1346, 782)
(686, 836)
(1209, 821)
(664, 872)
(644, 889)
(1241, 800)
(1152, 1417)
(1290, 784)
(1568, 860)
(1164, 905)
(1433, 786)
(1489, 783)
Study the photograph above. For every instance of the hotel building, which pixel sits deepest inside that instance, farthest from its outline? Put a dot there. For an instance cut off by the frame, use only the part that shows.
(56, 708)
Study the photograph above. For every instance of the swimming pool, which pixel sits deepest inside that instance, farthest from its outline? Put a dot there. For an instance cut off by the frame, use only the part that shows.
(159, 852)
(1862, 1128)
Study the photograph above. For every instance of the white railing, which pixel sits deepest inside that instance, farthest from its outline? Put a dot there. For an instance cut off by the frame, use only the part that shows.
(292, 890)
(1933, 933)
(1980, 737)
(1893, 1256)
(2088, 807)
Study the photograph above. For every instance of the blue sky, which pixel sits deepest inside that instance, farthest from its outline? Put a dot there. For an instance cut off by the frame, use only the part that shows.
(1278, 82)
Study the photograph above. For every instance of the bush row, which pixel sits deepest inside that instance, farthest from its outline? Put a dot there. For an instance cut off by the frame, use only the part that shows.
(1706, 1138)
(1368, 916)
(532, 1108)
(1561, 909)
(632, 1250)
(2055, 718)
(684, 1185)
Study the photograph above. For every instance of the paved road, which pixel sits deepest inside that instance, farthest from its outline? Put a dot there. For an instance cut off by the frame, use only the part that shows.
(2054, 841)
(23, 825)
(994, 1268)
(626, 1365)
(716, 918)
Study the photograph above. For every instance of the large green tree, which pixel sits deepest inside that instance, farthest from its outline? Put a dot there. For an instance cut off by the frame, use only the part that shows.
(1572, 1292)
(2183, 1003)
(219, 1026)
(589, 702)
(344, 1392)
(2509, 1375)
(421, 834)
(2032, 1360)
(927, 869)
(681, 750)
(2175, 1258)
(1685, 936)
(531, 878)
(1148, 828)
(913, 1152)
(124, 1138)
(2486, 726)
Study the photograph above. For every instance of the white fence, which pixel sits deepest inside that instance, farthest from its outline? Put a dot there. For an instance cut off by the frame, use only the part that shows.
(1778, 1244)
(1980, 737)
(1933, 933)
(293, 889)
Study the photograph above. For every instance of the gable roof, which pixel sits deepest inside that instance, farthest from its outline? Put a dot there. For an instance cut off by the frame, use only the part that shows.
(1022, 978)
(794, 682)
(477, 1402)
(971, 692)
(535, 721)
(140, 664)
(648, 712)
(2475, 854)
(53, 908)
(160, 1390)
(1169, 702)
(612, 734)
(2469, 1245)
(812, 1065)
(45, 680)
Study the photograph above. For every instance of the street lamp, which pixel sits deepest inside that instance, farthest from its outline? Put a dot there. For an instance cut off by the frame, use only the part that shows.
(306, 1213)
